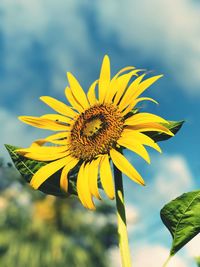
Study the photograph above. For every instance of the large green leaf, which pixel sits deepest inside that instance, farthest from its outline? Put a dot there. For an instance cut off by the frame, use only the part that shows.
(173, 126)
(182, 218)
(27, 168)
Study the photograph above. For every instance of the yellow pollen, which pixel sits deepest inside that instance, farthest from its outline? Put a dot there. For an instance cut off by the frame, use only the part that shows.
(95, 132)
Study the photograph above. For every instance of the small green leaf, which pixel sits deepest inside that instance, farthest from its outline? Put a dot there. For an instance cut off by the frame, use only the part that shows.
(27, 168)
(173, 126)
(182, 218)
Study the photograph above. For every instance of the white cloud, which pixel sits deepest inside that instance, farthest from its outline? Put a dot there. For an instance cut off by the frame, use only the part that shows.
(163, 31)
(132, 217)
(114, 255)
(193, 247)
(150, 256)
(131, 213)
(42, 34)
(60, 31)
(169, 177)
(172, 177)
(155, 256)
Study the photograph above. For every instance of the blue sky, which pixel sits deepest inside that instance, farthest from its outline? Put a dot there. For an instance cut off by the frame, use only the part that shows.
(41, 40)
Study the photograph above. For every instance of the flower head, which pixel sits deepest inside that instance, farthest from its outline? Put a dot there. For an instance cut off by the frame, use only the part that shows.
(92, 130)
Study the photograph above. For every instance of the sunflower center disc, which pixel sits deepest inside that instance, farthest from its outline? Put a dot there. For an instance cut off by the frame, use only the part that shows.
(95, 131)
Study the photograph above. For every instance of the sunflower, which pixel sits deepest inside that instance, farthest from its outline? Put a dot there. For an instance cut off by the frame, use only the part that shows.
(93, 130)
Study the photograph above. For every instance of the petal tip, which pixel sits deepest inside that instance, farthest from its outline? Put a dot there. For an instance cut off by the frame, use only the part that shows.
(44, 98)
(171, 133)
(20, 118)
(23, 118)
(69, 75)
(33, 185)
(106, 57)
(141, 182)
(106, 61)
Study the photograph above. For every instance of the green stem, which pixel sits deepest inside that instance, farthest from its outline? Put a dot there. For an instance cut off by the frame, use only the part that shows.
(167, 261)
(121, 217)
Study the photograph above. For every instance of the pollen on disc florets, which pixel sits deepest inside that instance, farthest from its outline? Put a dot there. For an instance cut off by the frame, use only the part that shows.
(95, 131)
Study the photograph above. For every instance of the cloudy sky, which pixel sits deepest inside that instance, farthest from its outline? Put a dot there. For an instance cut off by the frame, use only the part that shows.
(40, 40)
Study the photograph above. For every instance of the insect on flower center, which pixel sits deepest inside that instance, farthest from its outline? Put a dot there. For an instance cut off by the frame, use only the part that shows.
(95, 131)
(92, 127)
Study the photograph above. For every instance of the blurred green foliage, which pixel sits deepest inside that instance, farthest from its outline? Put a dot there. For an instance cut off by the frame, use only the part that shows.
(197, 259)
(44, 231)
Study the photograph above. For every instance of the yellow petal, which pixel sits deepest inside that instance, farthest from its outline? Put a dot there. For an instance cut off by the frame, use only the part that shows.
(124, 166)
(146, 99)
(35, 144)
(148, 127)
(38, 142)
(133, 88)
(111, 91)
(104, 79)
(45, 157)
(60, 142)
(93, 177)
(83, 188)
(57, 118)
(43, 149)
(59, 138)
(43, 123)
(64, 179)
(69, 166)
(145, 84)
(58, 106)
(134, 146)
(140, 137)
(77, 90)
(45, 172)
(106, 177)
(127, 98)
(73, 101)
(122, 83)
(91, 93)
(144, 118)
(112, 86)
(80, 185)
(128, 107)
(128, 68)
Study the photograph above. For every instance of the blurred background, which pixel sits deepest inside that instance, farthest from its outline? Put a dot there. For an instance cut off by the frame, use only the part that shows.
(39, 41)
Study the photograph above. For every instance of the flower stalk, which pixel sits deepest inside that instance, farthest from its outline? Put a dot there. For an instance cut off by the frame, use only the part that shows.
(121, 217)
(167, 261)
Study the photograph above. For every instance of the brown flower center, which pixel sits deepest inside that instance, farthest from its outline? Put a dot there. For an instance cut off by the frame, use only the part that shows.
(95, 132)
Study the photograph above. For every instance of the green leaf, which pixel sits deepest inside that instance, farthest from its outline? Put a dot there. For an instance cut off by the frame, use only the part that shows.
(182, 218)
(27, 168)
(173, 126)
